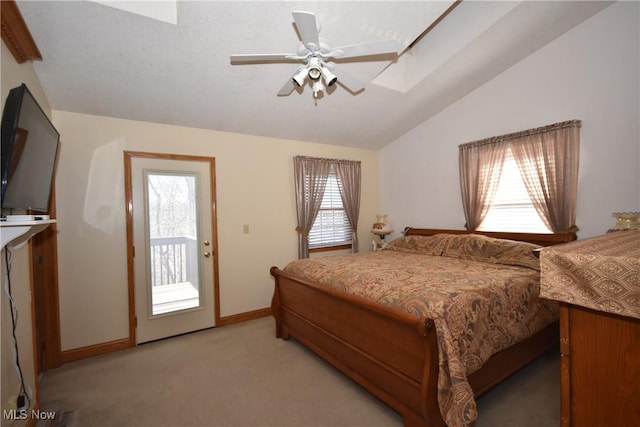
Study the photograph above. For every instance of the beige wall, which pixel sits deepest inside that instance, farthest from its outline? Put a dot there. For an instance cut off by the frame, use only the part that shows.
(14, 74)
(254, 186)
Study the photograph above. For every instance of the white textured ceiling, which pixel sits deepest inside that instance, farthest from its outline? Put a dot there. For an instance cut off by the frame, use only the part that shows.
(104, 61)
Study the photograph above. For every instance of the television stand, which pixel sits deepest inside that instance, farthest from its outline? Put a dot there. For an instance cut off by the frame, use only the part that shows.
(15, 234)
(23, 218)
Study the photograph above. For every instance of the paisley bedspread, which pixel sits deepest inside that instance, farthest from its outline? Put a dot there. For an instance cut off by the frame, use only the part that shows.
(482, 293)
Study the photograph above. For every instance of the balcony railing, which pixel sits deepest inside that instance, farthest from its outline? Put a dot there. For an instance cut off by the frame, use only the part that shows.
(173, 260)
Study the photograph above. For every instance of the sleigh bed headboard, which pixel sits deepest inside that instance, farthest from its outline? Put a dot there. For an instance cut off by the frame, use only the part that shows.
(541, 239)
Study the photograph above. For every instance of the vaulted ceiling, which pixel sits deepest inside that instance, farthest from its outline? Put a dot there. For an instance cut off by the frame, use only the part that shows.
(102, 60)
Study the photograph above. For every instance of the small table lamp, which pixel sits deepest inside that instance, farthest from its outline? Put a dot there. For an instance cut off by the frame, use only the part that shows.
(381, 228)
(626, 221)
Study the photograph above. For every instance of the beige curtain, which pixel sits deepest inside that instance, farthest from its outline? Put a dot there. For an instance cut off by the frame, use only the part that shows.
(548, 159)
(310, 182)
(480, 168)
(349, 180)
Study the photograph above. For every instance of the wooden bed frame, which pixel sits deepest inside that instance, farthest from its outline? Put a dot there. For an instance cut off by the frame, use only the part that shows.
(392, 354)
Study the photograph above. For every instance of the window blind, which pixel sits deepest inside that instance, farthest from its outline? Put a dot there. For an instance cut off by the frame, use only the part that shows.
(331, 227)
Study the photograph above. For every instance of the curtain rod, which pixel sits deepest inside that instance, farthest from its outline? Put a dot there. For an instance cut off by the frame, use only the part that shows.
(324, 159)
(523, 133)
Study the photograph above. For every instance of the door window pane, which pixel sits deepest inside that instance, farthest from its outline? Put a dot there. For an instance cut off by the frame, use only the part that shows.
(173, 245)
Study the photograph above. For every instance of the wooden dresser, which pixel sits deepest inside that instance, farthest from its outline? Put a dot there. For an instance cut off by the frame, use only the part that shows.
(597, 282)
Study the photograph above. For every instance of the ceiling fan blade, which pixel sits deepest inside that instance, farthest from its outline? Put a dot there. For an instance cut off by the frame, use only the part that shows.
(288, 87)
(348, 81)
(365, 49)
(268, 57)
(308, 29)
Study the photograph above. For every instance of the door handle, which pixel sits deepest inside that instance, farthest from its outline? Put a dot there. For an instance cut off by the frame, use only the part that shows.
(207, 254)
(206, 243)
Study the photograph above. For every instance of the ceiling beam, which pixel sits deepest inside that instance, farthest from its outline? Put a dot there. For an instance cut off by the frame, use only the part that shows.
(16, 35)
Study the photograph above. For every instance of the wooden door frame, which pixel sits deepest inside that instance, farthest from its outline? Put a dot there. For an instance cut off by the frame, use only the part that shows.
(46, 302)
(128, 192)
(43, 248)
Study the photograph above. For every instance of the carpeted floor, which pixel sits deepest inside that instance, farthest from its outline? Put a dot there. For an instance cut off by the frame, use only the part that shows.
(241, 375)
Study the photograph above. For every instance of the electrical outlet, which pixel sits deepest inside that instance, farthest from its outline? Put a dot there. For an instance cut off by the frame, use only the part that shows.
(245, 229)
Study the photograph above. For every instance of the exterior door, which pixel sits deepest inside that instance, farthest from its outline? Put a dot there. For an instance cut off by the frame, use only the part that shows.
(174, 244)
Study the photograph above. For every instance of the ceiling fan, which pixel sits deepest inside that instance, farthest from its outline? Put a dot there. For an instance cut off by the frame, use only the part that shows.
(314, 53)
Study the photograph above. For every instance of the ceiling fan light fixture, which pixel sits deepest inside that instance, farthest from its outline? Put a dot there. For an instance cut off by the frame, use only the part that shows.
(314, 74)
(314, 66)
(329, 78)
(300, 76)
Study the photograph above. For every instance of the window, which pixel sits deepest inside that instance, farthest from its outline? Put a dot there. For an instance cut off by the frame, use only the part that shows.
(549, 156)
(327, 203)
(331, 227)
(512, 208)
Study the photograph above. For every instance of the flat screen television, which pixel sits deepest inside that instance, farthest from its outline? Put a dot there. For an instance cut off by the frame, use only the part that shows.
(29, 151)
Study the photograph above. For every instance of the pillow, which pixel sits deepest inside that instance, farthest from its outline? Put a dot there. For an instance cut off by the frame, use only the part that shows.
(426, 245)
(477, 247)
